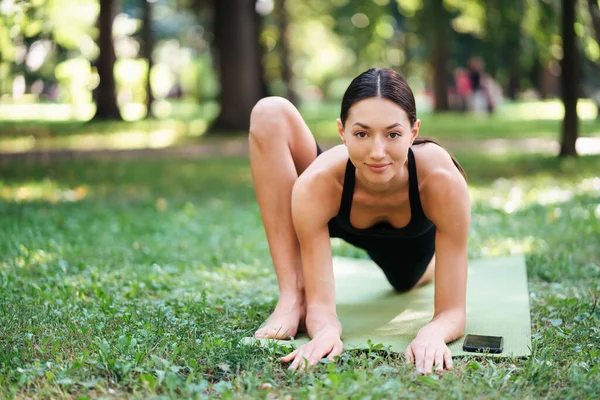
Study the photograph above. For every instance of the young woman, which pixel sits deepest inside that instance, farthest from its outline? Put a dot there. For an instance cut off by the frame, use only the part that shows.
(413, 222)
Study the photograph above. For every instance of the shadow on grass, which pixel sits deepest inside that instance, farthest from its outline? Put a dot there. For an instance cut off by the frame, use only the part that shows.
(483, 169)
(217, 174)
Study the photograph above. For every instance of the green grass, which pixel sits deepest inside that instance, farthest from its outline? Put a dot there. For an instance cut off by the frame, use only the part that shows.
(138, 279)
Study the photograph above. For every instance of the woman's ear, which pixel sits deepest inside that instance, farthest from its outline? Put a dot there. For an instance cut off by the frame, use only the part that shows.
(341, 130)
(415, 130)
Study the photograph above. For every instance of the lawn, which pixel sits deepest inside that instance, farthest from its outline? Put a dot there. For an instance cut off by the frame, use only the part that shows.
(189, 122)
(140, 278)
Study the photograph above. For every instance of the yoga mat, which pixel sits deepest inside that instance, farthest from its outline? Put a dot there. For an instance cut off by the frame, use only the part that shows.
(369, 309)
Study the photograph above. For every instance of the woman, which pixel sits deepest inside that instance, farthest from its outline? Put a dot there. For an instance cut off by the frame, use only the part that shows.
(413, 222)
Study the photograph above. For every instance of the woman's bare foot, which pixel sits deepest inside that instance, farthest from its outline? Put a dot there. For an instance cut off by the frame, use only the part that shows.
(286, 321)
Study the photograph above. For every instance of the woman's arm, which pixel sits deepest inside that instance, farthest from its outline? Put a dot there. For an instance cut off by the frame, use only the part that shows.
(446, 202)
(451, 214)
(313, 205)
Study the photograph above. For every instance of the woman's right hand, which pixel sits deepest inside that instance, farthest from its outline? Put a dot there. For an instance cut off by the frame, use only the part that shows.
(325, 343)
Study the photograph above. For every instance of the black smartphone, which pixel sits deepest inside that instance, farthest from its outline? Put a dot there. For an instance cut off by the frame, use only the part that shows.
(483, 344)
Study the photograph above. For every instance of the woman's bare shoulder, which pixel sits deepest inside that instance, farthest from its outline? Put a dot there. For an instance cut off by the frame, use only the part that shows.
(319, 188)
(441, 185)
(433, 163)
(331, 164)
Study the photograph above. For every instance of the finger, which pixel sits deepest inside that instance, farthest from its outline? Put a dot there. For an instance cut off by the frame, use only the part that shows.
(428, 361)
(336, 351)
(297, 361)
(301, 354)
(448, 360)
(409, 357)
(439, 361)
(312, 358)
(290, 356)
(419, 354)
(318, 353)
(303, 359)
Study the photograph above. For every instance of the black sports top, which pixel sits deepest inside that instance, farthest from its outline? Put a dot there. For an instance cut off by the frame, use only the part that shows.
(418, 225)
(402, 253)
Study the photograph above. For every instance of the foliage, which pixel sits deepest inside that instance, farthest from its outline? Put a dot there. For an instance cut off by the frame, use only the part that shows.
(350, 38)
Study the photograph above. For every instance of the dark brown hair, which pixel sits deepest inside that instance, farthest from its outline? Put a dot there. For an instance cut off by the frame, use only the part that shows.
(386, 83)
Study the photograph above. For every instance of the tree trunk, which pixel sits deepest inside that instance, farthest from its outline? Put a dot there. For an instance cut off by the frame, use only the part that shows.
(547, 82)
(440, 75)
(260, 51)
(148, 46)
(569, 80)
(105, 94)
(238, 63)
(595, 14)
(513, 82)
(441, 27)
(286, 71)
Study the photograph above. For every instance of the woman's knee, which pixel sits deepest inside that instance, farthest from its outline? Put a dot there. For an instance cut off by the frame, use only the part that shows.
(270, 117)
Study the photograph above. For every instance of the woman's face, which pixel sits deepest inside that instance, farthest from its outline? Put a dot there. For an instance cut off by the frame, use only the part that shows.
(378, 134)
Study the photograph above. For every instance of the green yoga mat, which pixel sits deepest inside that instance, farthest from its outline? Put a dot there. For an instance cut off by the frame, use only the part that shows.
(369, 310)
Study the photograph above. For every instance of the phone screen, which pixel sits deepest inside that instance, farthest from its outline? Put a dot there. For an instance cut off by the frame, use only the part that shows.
(492, 344)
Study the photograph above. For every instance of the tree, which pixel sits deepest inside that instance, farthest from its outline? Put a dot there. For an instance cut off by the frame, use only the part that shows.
(595, 15)
(439, 60)
(569, 79)
(286, 71)
(148, 44)
(236, 30)
(433, 22)
(105, 94)
(503, 25)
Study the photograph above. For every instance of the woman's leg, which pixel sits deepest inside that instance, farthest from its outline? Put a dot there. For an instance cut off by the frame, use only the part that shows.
(281, 147)
(429, 273)
(402, 272)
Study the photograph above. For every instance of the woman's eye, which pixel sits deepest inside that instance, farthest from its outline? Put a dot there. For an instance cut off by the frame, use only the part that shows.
(394, 135)
(361, 134)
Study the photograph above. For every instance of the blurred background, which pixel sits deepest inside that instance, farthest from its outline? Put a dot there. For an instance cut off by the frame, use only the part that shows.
(133, 257)
(131, 74)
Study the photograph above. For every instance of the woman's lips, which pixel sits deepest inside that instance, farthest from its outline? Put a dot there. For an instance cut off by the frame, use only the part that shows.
(378, 167)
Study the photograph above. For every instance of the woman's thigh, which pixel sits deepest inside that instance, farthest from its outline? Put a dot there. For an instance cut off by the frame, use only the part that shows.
(402, 265)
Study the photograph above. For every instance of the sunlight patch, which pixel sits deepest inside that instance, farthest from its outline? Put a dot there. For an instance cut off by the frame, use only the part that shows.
(121, 140)
(511, 195)
(30, 258)
(502, 246)
(46, 190)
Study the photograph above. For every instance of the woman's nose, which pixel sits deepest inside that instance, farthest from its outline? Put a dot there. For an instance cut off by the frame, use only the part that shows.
(377, 150)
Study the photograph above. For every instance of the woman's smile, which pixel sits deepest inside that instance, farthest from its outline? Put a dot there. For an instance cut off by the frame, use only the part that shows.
(378, 168)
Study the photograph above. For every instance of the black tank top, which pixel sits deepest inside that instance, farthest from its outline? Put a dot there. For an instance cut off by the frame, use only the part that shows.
(418, 225)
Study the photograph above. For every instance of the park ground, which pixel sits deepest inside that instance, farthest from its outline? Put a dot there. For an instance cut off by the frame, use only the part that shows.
(137, 274)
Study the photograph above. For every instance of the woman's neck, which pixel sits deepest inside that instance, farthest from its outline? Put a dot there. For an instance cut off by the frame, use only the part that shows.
(398, 183)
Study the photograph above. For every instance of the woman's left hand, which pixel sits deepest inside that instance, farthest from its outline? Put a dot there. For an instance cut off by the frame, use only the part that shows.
(427, 351)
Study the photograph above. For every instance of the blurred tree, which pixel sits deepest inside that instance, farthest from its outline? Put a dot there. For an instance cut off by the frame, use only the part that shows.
(595, 19)
(236, 30)
(503, 22)
(148, 46)
(35, 36)
(595, 15)
(286, 70)
(105, 93)
(569, 79)
(541, 26)
(432, 20)
(438, 38)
